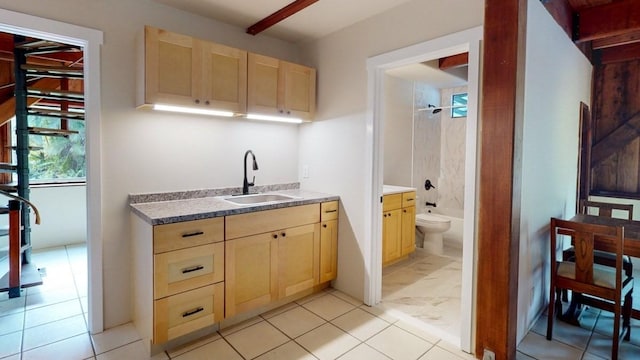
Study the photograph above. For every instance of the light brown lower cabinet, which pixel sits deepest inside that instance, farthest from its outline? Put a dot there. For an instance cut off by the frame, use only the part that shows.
(398, 226)
(191, 275)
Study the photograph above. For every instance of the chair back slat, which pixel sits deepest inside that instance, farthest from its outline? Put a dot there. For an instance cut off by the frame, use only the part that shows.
(584, 237)
(605, 209)
(584, 257)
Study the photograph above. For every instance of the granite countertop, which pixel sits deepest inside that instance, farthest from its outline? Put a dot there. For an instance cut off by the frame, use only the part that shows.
(176, 210)
(393, 189)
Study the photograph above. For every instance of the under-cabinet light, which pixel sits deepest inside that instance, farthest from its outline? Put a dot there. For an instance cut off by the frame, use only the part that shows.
(274, 118)
(190, 110)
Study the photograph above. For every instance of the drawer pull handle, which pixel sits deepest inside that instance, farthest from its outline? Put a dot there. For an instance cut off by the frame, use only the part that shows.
(330, 211)
(195, 233)
(191, 312)
(411, 199)
(192, 269)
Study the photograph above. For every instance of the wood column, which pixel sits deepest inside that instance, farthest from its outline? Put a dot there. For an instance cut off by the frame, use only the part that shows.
(500, 177)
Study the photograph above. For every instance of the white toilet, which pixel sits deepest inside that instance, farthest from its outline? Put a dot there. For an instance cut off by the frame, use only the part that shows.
(432, 226)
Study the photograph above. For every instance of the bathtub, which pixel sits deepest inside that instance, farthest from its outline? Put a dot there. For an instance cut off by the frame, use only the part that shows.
(453, 236)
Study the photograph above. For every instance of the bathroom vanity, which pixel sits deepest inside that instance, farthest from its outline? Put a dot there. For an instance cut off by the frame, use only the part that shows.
(204, 263)
(398, 223)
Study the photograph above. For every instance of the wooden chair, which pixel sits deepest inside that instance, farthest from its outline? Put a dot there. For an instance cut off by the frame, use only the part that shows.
(601, 257)
(600, 286)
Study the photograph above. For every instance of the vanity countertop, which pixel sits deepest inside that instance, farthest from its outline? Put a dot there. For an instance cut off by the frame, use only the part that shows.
(187, 209)
(393, 189)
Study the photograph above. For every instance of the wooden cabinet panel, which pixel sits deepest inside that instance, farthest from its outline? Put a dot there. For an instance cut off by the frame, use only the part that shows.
(391, 202)
(408, 199)
(270, 220)
(186, 312)
(169, 64)
(391, 235)
(398, 226)
(185, 71)
(280, 88)
(299, 90)
(185, 234)
(263, 77)
(298, 259)
(187, 269)
(329, 211)
(251, 272)
(224, 77)
(408, 236)
(328, 250)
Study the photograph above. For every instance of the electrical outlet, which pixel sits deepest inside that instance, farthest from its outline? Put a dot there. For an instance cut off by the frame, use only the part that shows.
(488, 355)
(305, 171)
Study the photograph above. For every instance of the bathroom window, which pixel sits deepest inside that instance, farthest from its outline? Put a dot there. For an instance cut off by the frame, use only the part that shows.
(459, 105)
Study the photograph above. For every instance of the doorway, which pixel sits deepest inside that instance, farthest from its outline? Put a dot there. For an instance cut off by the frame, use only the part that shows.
(464, 41)
(90, 40)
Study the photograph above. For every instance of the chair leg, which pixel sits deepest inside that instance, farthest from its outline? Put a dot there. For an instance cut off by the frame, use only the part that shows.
(551, 313)
(616, 331)
(626, 315)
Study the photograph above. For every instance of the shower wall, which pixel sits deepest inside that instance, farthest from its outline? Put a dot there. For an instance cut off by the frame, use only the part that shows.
(439, 150)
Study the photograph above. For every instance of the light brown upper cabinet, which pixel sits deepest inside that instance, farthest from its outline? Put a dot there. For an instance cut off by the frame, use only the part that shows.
(280, 88)
(184, 71)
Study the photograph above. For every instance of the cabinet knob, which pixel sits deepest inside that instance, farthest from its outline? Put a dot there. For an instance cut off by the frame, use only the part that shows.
(197, 101)
(207, 102)
(404, 211)
(288, 112)
(275, 236)
(283, 234)
(385, 215)
(324, 225)
(281, 111)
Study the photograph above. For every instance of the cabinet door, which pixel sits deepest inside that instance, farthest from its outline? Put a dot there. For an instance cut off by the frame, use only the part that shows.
(391, 235)
(251, 272)
(263, 92)
(224, 78)
(408, 230)
(298, 258)
(170, 60)
(328, 250)
(299, 90)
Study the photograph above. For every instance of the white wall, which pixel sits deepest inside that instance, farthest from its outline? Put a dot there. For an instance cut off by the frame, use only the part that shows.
(557, 79)
(342, 95)
(398, 130)
(144, 151)
(63, 215)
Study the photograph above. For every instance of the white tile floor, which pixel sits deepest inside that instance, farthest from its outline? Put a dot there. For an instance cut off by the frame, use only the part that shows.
(49, 322)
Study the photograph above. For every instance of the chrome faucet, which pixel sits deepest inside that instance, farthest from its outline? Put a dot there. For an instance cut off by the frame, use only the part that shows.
(246, 183)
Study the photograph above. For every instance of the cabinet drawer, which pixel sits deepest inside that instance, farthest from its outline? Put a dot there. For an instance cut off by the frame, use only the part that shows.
(409, 199)
(186, 234)
(329, 211)
(269, 220)
(390, 202)
(181, 314)
(187, 269)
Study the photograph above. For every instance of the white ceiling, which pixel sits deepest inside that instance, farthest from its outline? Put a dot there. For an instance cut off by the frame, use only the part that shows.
(429, 73)
(318, 20)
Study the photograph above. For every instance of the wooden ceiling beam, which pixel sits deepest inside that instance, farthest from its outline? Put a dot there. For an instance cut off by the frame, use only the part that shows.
(279, 15)
(613, 19)
(619, 53)
(624, 39)
(453, 61)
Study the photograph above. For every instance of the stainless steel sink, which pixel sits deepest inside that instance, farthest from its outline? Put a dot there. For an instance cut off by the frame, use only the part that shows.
(257, 198)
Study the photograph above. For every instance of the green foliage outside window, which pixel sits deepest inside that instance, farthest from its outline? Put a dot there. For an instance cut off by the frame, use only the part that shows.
(57, 158)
